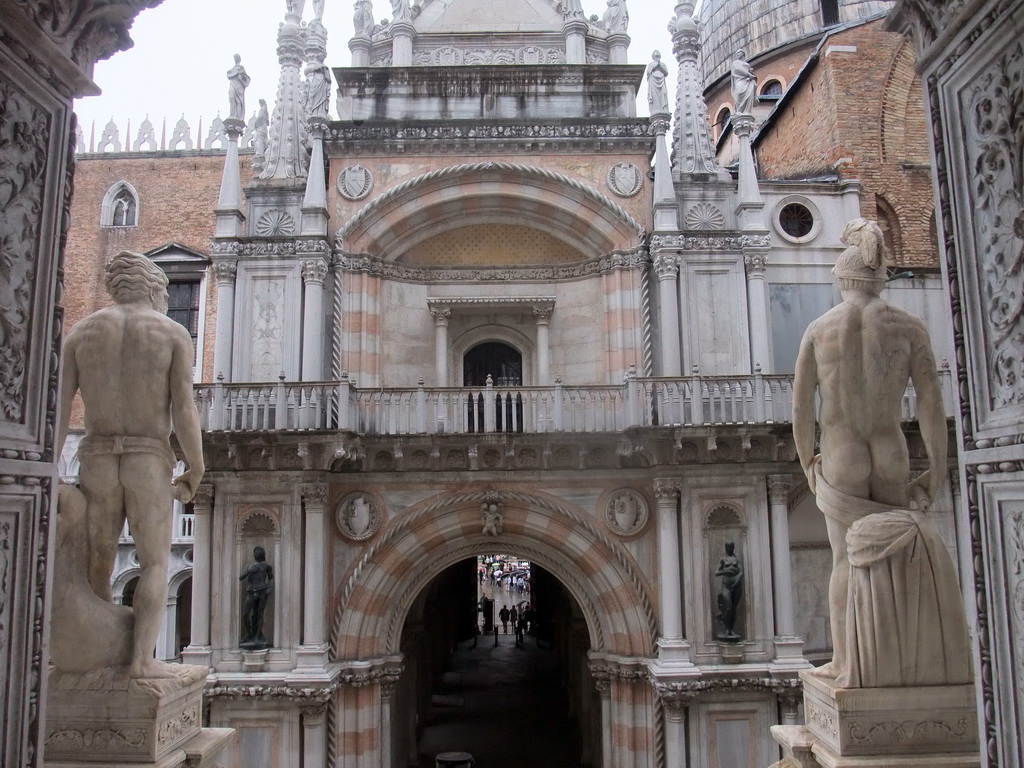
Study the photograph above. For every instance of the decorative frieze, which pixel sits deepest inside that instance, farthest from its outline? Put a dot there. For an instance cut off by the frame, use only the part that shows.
(630, 259)
(275, 248)
(706, 243)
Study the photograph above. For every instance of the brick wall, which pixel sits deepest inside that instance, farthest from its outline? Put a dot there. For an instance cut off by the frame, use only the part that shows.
(860, 114)
(177, 192)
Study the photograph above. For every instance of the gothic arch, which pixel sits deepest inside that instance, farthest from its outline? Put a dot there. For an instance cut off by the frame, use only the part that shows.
(108, 210)
(378, 591)
(489, 193)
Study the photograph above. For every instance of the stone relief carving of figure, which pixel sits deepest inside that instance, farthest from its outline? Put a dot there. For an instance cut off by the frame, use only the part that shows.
(132, 366)
(362, 20)
(730, 570)
(859, 357)
(616, 16)
(318, 90)
(493, 519)
(401, 10)
(657, 85)
(744, 84)
(238, 81)
(259, 578)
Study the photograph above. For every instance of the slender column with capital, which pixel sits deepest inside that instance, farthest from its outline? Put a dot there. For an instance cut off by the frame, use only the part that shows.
(313, 651)
(603, 683)
(441, 317)
(675, 700)
(314, 272)
(667, 493)
(199, 650)
(388, 683)
(778, 497)
(575, 32)
(224, 273)
(757, 311)
(666, 207)
(667, 267)
(230, 218)
(543, 318)
(314, 736)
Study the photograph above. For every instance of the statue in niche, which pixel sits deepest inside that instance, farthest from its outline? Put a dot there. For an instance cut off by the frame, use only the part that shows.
(896, 613)
(401, 10)
(259, 576)
(616, 16)
(318, 90)
(132, 366)
(493, 519)
(730, 570)
(362, 21)
(744, 84)
(657, 85)
(238, 81)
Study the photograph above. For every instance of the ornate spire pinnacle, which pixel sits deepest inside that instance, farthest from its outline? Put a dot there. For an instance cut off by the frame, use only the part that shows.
(692, 148)
(286, 155)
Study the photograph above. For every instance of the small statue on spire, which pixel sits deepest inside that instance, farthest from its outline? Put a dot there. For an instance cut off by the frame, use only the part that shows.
(238, 81)
(744, 84)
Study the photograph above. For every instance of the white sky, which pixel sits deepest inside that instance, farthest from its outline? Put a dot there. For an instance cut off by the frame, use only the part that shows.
(184, 48)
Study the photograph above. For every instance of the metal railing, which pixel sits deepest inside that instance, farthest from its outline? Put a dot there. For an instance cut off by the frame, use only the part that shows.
(639, 402)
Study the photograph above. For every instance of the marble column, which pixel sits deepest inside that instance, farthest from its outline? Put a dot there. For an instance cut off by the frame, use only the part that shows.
(165, 649)
(313, 651)
(603, 683)
(224, 273)
(789, 706)
(674, 704)
(667, 267)
(199, 650)
(388, 684)
(757, 311)
(360, 47)
(543, 317)
(402, 35)
(441, 317)
(618, 45)
(672, 648)
(314, 735)
(314, 272)
(788, 647)
(575, 33)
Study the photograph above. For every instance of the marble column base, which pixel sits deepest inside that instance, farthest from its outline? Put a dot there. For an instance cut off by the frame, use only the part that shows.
(106, 717)
(908, 727)
(789, 652)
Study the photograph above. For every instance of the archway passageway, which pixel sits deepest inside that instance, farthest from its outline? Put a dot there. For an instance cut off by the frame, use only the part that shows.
(506, 702)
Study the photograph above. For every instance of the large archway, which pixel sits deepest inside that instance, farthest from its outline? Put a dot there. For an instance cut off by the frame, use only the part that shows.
(378, 592)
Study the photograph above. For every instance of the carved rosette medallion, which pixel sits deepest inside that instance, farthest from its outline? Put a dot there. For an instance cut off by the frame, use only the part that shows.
(705, 216)
(625, 179)
(355, 182)
(357, 517)
(626, 512)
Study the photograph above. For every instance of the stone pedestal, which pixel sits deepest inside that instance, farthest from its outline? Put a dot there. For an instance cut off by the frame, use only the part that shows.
(106, 718)
(909, 727)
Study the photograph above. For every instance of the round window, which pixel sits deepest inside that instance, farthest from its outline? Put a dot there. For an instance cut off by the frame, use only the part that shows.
(796, 220)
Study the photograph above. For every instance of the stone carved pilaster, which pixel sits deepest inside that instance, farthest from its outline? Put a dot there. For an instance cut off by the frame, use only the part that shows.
(225, 272)
(674, 698)
(666, 265)
(755, 263)
(314, 271)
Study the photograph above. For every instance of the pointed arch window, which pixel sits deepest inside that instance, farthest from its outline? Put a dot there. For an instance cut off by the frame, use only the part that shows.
(120, 206)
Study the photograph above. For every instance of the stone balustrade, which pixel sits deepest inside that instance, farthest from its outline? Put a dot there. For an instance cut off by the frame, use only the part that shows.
(688, 401)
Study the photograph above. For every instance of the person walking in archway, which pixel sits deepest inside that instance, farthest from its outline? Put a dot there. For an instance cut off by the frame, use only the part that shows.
(503, 614)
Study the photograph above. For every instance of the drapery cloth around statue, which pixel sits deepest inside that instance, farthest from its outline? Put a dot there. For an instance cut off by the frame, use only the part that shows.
(905, 623)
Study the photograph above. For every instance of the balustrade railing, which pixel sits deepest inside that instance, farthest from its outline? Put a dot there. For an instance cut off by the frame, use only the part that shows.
(649, 402)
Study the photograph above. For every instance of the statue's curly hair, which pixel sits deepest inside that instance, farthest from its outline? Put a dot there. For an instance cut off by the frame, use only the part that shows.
(131, 276)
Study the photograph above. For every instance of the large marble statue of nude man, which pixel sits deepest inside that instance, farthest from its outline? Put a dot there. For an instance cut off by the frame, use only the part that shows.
(133, 367)
(859, 357)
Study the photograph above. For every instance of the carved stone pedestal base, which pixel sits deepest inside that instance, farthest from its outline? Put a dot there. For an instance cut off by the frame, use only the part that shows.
(882, 727)
(105, 717)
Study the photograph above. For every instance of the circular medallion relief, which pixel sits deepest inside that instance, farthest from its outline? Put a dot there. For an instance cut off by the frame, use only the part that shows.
(626, 512)
(357, 517)
(625, 179)
(355, 182)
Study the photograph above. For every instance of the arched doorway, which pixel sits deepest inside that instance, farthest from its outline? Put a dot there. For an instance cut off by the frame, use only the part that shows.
(378, 596)
(503, 365)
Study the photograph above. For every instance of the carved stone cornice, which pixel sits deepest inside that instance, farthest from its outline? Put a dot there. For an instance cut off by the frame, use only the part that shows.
(308, 696)
(779, 487)
(705, 243)
(256, 248)
(314, 271)
(685, 691)
(631, 259)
